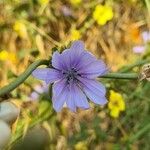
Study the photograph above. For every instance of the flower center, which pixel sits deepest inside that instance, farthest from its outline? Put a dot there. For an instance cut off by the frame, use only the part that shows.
(71, 74)
(115, 103)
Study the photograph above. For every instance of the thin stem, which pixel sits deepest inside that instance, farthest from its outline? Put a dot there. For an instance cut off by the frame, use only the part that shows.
(19, 80)
(128, 76)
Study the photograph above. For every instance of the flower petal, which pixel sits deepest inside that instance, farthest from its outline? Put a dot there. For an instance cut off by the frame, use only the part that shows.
(114, 112)
(56, 60)
(69, 57)
(60, 94)
(77, 46)
(66, 59)
(47, 74)
(86, 58)
(94, 90)
(78, 97)
(62, 61)
(92, 68)
(71, 103)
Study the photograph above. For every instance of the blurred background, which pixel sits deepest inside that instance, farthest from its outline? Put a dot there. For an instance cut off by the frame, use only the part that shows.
(116, 31)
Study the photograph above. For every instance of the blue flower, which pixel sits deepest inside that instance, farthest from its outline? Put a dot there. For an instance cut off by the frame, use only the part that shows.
(73, 74)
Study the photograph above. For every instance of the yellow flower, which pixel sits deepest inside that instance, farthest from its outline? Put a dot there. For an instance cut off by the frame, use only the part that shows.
(20, 28)
(102, 14)
(116, 104)
(81, 146)
(75, 2)
(8, 56)
(75, 34)
(3, 55)
(43, 2)
(114, 113)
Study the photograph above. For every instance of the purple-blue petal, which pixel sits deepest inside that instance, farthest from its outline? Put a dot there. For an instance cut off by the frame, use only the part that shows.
(92, 69)
(69, 57)
(71, 103)
(85, 59)
(77, 46)
(56, 60)
(70, 99)
(78, 97)
(62, 61)
(66, 59)
(60, 94)
(47, 74)
(94, 90)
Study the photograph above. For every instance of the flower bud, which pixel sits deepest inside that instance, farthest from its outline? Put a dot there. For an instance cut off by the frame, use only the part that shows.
(145, 72)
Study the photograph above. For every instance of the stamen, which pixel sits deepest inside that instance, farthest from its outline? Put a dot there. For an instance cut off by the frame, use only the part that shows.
(71, 74)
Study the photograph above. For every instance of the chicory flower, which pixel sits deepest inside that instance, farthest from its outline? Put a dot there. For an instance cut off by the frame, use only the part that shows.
(74, 75)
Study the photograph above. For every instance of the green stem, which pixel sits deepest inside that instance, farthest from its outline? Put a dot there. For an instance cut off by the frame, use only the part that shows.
(8, 88)
(128, 76)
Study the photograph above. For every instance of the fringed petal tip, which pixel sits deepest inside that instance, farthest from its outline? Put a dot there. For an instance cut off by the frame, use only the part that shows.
(77, 45)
